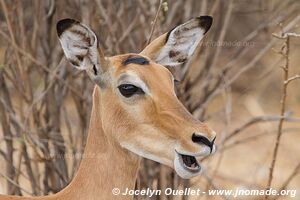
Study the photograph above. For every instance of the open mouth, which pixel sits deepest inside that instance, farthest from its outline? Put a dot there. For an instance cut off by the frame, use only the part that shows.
(189, 163)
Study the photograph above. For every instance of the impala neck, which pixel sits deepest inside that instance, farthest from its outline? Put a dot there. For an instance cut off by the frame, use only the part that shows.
(104, 166)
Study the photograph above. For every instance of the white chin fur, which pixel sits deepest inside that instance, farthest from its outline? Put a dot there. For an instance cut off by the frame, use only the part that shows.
(181, 170)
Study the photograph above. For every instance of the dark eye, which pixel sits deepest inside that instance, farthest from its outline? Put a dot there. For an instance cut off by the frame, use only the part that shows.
(127, 90)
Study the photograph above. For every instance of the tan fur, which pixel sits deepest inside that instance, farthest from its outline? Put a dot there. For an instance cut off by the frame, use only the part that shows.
(154, 46)
(161, 121)
(154, 125)
(104, 166)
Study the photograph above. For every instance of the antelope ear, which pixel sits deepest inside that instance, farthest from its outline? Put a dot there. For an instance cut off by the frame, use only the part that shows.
(80, 46)
(179, 44)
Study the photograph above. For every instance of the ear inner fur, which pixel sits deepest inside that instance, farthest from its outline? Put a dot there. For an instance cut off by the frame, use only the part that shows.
(178, 45)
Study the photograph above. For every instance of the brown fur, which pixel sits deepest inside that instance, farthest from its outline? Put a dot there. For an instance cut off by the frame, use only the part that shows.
(155, 124)
(105, 164)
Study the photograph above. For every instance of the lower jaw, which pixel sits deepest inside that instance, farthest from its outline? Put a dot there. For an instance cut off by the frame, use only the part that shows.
(184, 171)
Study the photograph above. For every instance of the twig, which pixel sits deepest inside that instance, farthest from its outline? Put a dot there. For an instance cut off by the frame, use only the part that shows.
(285, 35)
(244, 69)
(211, 182)
(259, 119)
(254, 137)
(289, 179)
(291, 79)
(154, 22)
(35, 61)
(15, 184)
(286, 80)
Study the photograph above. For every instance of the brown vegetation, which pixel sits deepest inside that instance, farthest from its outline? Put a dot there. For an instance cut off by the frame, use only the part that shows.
(233, 82)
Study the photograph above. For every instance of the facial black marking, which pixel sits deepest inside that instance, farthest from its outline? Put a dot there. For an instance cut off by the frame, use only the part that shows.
(203, 140)
(136, 60)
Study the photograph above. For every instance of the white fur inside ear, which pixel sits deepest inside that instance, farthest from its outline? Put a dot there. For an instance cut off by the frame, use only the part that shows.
(79, 44)
(181, 44)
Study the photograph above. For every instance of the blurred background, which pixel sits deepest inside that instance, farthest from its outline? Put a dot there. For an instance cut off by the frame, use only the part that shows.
(234, 82)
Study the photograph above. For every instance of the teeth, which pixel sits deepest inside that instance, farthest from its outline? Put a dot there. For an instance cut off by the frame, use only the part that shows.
(194, 166)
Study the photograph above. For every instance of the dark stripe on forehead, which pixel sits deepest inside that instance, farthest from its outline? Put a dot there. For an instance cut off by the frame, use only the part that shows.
(136, 60)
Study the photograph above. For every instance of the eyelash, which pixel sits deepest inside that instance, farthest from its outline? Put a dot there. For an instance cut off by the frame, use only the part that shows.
(128, 90)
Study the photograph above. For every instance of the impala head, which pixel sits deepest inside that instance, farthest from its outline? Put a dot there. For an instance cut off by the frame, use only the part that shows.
(139, 107)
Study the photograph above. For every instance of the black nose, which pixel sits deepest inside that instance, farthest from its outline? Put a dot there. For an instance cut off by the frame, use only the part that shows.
(203, 140)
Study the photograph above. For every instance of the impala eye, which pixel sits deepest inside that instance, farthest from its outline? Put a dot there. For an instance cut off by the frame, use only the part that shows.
(128, 90)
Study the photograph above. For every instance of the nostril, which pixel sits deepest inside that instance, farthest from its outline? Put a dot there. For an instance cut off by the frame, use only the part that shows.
(203, 140)
(200, 139)
(213, 141)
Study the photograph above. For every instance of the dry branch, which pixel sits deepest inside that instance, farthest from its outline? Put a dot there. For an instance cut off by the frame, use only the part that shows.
(286, 80)
(45, 106)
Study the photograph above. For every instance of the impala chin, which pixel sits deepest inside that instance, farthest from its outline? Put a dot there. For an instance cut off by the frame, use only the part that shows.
(136, 113)
(186, 166)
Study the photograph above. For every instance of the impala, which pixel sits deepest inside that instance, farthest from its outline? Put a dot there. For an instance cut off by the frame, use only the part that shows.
(135, 111)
